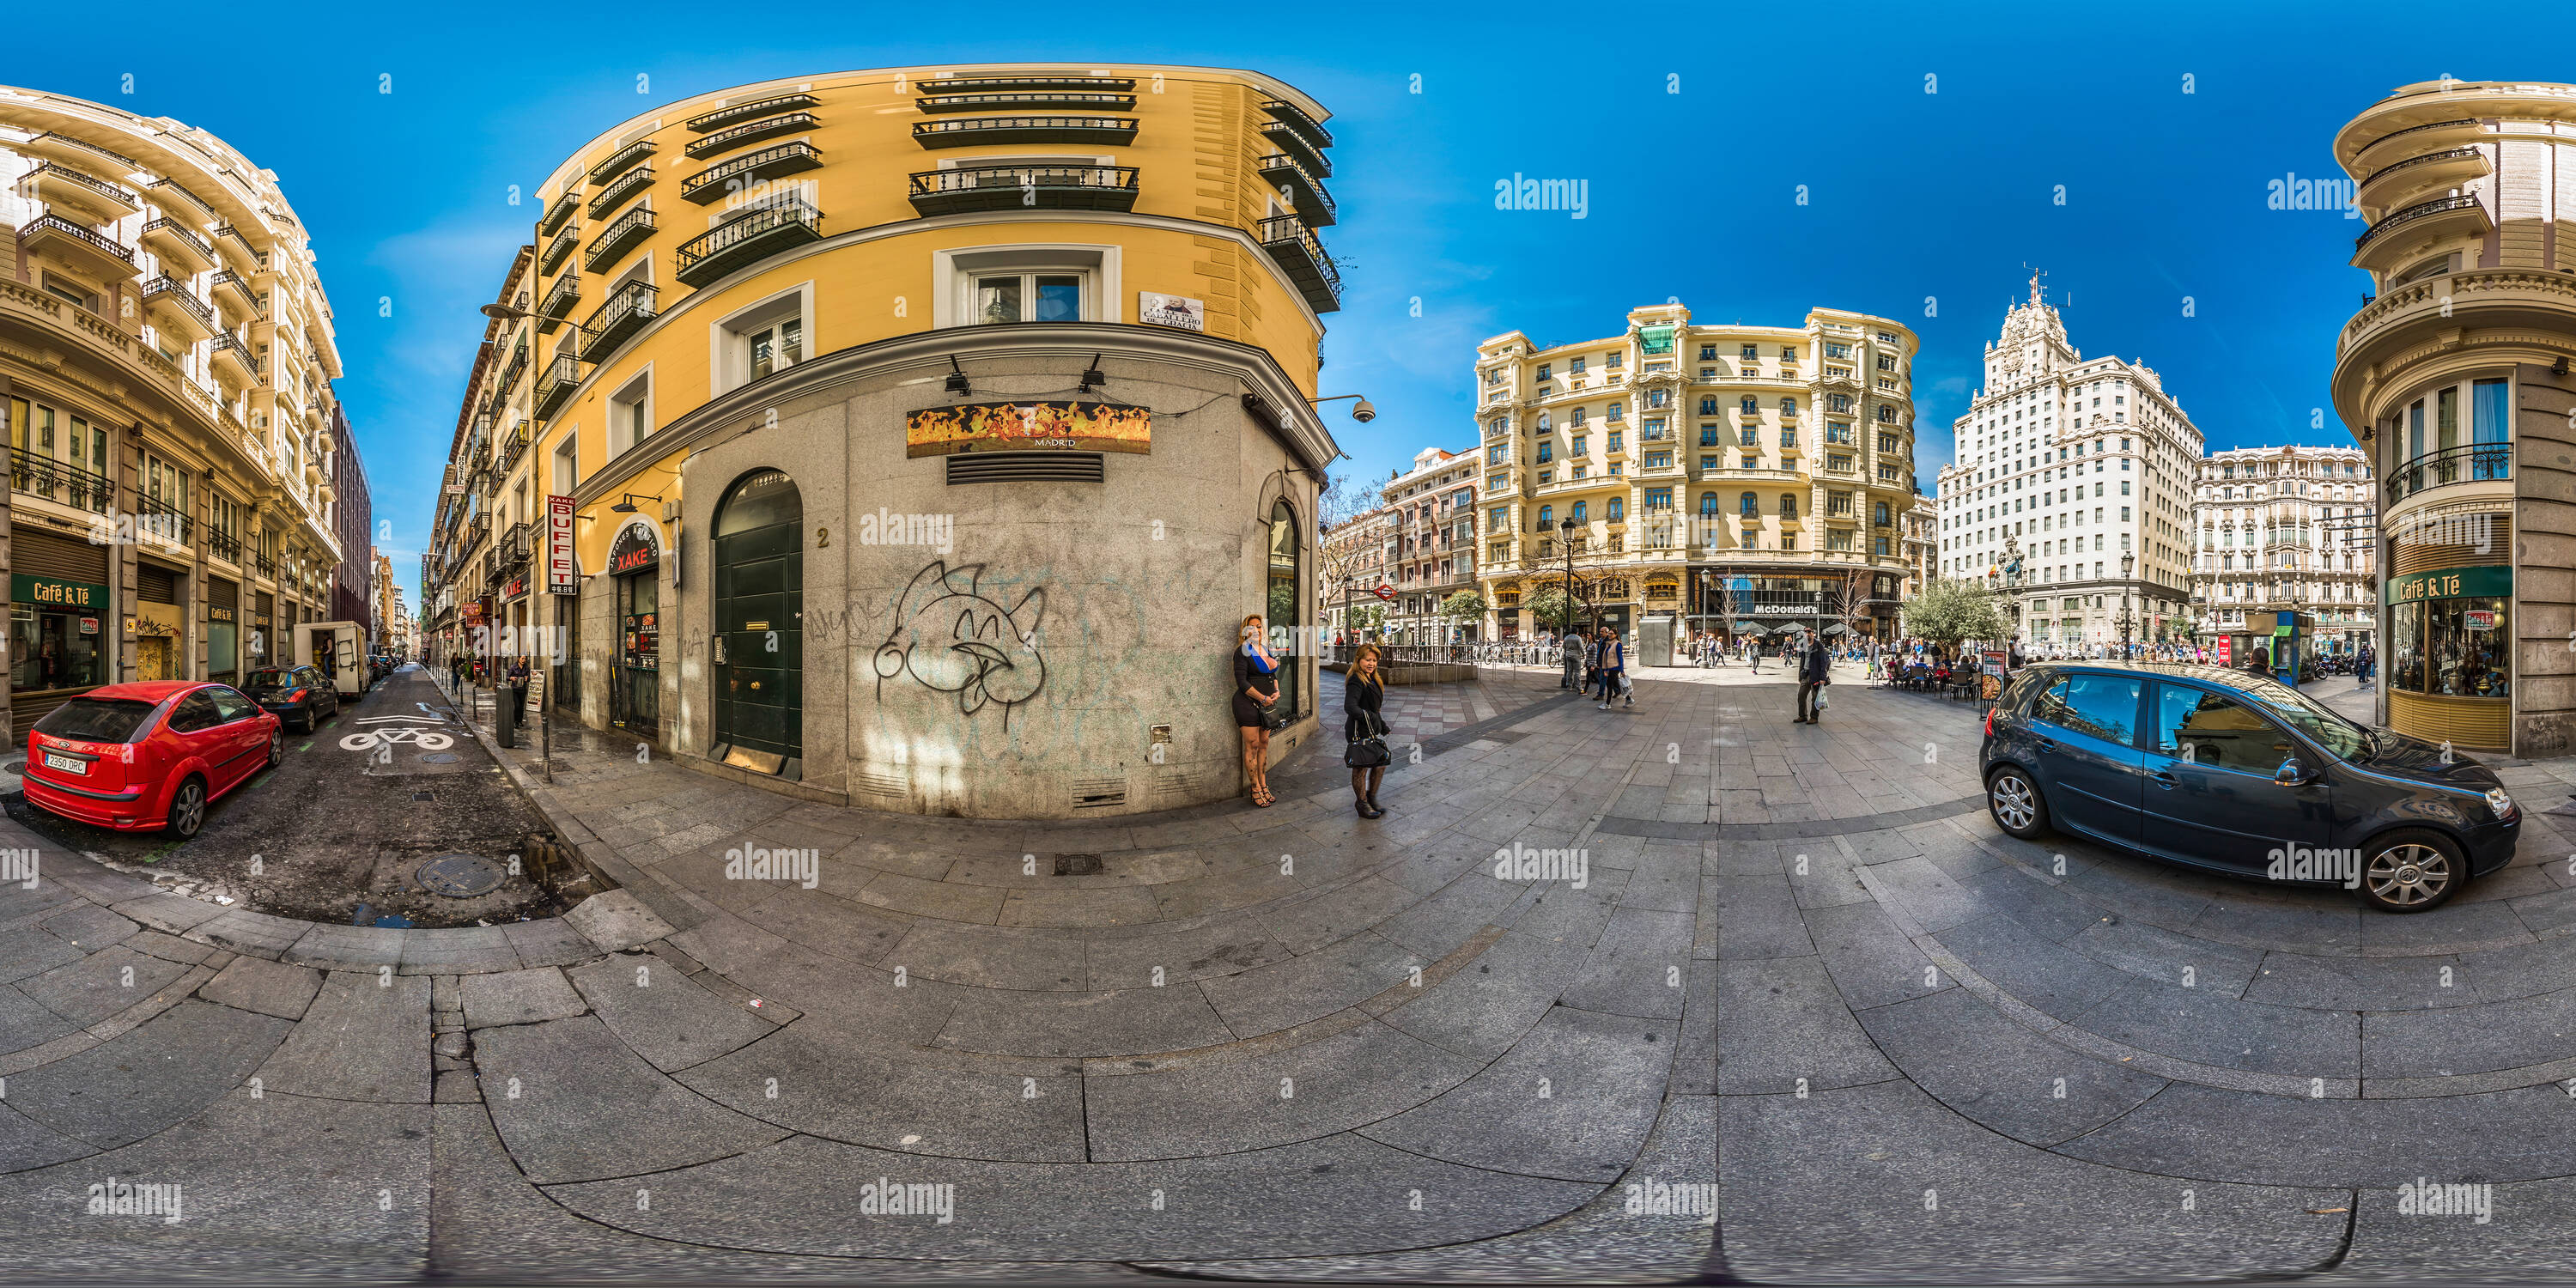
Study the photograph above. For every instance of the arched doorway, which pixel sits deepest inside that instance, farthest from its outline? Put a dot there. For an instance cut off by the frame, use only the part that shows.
(1287, 559)
(759, 618)
(635, 694)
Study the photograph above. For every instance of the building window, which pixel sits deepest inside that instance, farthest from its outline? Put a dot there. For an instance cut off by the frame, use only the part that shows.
(630, 412)
(1747, 506)
(766, 338)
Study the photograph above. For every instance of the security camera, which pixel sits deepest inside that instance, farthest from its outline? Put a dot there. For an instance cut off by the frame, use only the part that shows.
(1363, 411)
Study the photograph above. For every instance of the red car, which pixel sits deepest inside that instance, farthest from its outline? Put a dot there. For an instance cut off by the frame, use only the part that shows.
(140, 757)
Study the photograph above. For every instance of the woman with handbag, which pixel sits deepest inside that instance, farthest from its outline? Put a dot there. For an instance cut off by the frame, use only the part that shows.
(1363, 703)
(1256, 693)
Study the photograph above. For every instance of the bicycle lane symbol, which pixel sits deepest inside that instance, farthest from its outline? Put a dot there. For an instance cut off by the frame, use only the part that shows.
(370, 739)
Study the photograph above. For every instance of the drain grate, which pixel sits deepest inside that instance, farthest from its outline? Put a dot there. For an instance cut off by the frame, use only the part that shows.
(459, 876)
(1077, 865)
(438, 758)
(424, 796)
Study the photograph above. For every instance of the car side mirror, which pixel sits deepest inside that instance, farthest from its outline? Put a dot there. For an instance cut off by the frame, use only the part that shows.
(2293, 774)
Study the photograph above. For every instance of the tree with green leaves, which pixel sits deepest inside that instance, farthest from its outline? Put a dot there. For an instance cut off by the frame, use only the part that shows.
(1547, 609)
(1951, 610)
(1465, 606)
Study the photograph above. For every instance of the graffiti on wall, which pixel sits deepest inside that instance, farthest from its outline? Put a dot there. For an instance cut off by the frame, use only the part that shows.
(949, 637)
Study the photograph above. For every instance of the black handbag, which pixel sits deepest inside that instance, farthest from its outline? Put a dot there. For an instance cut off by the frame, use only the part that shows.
(1367, 753)
(1273, 719)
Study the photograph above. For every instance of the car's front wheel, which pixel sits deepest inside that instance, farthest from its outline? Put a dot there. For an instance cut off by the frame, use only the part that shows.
(2411, 870)
(188, 808)
(2012, 796)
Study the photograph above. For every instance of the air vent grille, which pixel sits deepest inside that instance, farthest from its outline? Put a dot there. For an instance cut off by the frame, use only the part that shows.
(1024, 467)
(1099, 793)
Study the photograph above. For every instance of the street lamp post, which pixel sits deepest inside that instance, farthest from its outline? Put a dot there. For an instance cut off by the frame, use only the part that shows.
(1565, 538)
(554, 610)
(2128, 564)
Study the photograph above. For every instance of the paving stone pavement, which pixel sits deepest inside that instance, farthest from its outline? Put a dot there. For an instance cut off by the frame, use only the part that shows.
(1799, 971)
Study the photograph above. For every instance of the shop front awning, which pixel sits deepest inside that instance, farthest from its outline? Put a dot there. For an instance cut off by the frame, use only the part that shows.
(1743, 624)
(1837, 629)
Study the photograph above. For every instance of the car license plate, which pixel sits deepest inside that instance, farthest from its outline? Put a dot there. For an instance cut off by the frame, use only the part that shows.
(67, 764)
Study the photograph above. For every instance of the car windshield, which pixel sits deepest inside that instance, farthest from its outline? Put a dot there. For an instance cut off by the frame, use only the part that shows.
(2321, 724)
(269, 679)
(97, 719)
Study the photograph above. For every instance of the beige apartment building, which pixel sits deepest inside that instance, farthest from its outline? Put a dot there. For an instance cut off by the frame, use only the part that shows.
(1430, 536)
(2071, 492)
(2286, 529)
(1352, 565)
(166, 360)
(1717, 478)
(2454, 378)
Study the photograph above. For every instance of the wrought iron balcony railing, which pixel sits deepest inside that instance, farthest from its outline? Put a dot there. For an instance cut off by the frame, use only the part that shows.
(727, 178)
(620, 161)
(565, 293)
(2421, 210)
(749, 132)
(1012, 187)
(619, 317)
(616, 193)
(765, 231)
(556, 384)
(96, 241)
(161, 519)
(735, 113)
(974, 131)
(2468, 463)
(630, 231)
(61, 481)
(1293, 245)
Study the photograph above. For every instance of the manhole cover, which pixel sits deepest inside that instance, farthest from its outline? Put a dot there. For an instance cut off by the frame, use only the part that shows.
(1077, 865)
(439, 758)
(459, 876)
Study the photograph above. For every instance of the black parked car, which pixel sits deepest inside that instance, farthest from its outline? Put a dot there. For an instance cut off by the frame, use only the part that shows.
(301, 696)
(2240, 773)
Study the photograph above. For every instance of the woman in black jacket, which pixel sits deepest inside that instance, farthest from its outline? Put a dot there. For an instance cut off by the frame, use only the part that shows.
(1256, 690)
(1363, 702)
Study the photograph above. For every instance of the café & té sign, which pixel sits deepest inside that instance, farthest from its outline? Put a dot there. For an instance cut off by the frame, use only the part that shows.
(2491, 581)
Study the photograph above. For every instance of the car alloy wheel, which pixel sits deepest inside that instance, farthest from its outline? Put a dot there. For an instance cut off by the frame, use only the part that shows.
(2408, 876)
(276, 746)
(2014, 800)
(188, 809)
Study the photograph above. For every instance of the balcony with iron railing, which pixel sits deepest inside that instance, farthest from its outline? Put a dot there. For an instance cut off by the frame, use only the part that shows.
(59, 481)
(223, 545)
(1286, 138)
(1313, 202)
(976, 131)
(558, 250)
(231, 355)
(558, 210)
(156, 517)
(2463, 210)
(620, 161)
(1028, 101)
(245, 297)
(514, 443)
(730, 177)
(560, 298)
(735, 113)
(618, 318)
(628, 232)
(1018, 84)
(758, 233)
(2467, 463)
(55, 183)
(624, 186)
(178, 246)
(1302, 258)
(556, 383)
(83, 247)
(750, 132)
(1018, 187)
(58, 143)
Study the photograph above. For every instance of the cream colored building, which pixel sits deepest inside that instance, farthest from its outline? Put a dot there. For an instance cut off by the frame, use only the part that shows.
(2454, 378)
(166, 359)
(2071, 492)
(1429, 544)
(2286, 529)
(1713, 473)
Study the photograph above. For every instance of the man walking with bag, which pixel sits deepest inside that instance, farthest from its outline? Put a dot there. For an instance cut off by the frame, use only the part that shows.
(1815, 670)
(1570, 650)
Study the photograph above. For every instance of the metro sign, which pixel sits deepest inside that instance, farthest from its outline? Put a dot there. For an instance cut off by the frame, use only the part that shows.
(1384, 591)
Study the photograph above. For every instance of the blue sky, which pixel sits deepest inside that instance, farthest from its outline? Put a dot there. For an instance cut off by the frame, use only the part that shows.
(1695, 131)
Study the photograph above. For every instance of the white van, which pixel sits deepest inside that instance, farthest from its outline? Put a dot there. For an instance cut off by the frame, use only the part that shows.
(339, 649)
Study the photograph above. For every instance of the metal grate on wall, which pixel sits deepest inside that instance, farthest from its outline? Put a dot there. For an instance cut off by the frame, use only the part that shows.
(1024, 467)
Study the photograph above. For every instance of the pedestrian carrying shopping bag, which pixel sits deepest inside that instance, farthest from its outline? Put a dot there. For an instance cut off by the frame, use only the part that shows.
(1820, 697)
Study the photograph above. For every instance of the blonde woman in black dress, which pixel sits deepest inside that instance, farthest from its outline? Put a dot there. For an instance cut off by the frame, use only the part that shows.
(1256, 691)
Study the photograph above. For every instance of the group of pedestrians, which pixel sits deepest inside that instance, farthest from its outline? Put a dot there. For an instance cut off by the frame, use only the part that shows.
(1597, 667)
